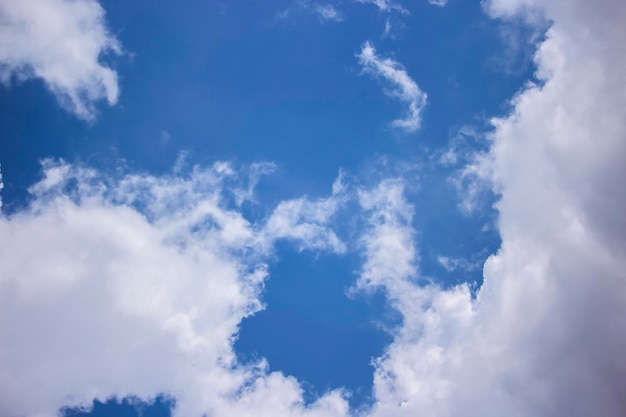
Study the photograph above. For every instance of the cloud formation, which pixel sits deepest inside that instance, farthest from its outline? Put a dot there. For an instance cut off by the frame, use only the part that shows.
(325, 12)
(137, 286)
(386, 6)
(328, 12)
(398, 84)
(60, 42)
(101, 279)
(543, 337)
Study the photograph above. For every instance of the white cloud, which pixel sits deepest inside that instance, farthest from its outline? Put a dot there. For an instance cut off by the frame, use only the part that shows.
(325, 12)
(401, 85)
(137, 286)
(453, 264)
(544, 336)
(328, 12)
(255, 172)
(1, 187)
(60, 42)
(439, 3)
(308, 222)
(473, 181)
(387, 243)
(386, 6)
(462, 146)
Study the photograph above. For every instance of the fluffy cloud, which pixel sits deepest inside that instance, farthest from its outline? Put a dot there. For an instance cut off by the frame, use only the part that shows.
(137, 286)
(544, 335)
(453, 264)
(60, 42)
(399, 85)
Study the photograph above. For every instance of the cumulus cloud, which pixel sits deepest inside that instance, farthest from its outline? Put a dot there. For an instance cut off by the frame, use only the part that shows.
(61, 42)
(398, 84)
(543, 337)
(136, 286)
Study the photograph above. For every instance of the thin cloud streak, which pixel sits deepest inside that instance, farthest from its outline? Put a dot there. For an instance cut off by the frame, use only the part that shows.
(386, 6)
(398, 84)
(325, 12)
(328, 12)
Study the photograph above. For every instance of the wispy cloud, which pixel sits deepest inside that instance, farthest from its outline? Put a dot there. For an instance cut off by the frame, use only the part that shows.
(325, 12)
(389, 8)
(454, 264)
(165, 136)
(397, 83)
(308, 222)
(439, 3)
(552, 293)
(467, 152)
(328, 12)
(1, 187)
(61, 42)
(386, 6)
(117, 275)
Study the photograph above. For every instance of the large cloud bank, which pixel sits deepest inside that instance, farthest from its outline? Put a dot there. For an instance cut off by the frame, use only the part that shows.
(137, 285)
(546, 332)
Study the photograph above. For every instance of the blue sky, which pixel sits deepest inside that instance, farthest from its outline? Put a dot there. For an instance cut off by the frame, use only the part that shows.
(373, 207)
